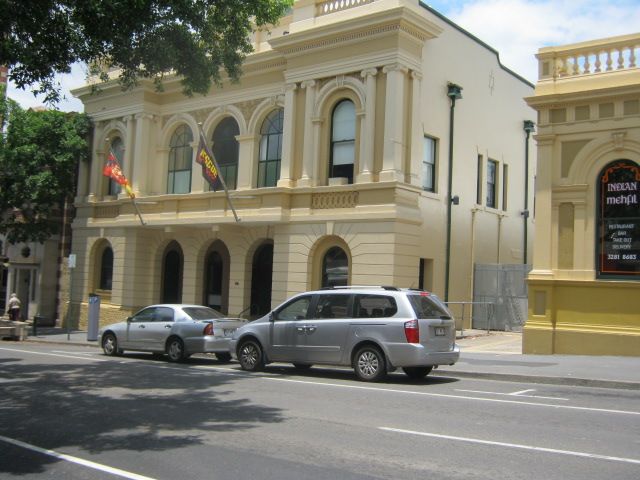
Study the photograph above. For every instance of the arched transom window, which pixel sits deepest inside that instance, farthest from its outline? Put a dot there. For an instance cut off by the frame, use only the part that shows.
(180, 155)
(270, 149)
(343, 140)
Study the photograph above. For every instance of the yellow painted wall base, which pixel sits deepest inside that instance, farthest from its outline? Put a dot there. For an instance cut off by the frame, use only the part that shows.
(583, 318)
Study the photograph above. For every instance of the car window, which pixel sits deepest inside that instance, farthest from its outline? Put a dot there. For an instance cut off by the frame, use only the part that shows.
(163, 314)
(145, 315)
(375, 306)
(427, 306)
(294, 310)
(332, 306)
(202, 313)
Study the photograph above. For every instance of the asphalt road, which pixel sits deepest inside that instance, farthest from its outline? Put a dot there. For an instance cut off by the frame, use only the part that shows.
(69, 412)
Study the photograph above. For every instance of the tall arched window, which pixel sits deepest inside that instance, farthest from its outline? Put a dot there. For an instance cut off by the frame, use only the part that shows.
(226, 149)
(106, 269)
(335, 268)
(180, 155)
(270, 149)
(343, 140)
(117, 147)
(618, 221)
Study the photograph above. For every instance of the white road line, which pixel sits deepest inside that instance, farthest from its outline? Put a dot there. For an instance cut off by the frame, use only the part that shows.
(520, 392)
(76, 460)
(593, 456)
(461, 397)
(515, 394)
(54, 354)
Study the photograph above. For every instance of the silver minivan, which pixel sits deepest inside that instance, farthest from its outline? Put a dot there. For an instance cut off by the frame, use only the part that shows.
(373, 329)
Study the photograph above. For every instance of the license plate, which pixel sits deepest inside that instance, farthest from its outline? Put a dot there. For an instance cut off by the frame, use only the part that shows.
(440, 331)
(228, 332)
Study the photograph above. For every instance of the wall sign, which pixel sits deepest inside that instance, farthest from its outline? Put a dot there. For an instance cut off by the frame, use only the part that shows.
(619, 221)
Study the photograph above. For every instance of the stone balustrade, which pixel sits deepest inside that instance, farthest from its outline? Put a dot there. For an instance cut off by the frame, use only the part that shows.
(589, 58)
(325, 7)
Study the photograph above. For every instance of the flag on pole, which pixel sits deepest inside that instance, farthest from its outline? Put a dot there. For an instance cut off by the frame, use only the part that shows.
(112, 170)
(211, 171)
(209, 166)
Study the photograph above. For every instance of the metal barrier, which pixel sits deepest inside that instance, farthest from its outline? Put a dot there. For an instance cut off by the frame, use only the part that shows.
(476, 311)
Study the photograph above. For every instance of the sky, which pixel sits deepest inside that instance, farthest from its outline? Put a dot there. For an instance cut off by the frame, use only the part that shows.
(515, 28)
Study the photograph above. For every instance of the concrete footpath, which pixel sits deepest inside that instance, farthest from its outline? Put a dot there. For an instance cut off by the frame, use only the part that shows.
(494, 355)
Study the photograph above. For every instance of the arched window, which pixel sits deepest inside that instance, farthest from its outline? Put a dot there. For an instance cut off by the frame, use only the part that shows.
(270, 149)
(343, 140)
(180, 155)
(618, 225)
(106, 269)
(335, 268)
(117, 147)
(226, 149)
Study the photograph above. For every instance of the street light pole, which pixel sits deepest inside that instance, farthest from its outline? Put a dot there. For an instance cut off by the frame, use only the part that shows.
(528, 127)
(454, 92)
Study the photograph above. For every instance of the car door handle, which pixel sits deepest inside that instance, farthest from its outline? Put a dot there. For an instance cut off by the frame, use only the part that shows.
(301, 330)
(167, 326)
(311, 328)
(141, 326)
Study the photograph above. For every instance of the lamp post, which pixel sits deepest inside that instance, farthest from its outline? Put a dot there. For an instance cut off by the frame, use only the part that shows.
(454, 92)
(528, 127)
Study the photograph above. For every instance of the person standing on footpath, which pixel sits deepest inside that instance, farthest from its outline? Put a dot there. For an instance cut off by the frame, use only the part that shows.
(14, 307)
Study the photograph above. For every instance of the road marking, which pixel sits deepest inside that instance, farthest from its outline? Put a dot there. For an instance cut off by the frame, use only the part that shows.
(54, 354)
(76, 460)
(461, 397)
(593, 456)
(514, 394)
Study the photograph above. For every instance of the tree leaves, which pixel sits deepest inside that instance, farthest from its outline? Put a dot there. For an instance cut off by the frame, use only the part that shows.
(39, 155)
(142, 38)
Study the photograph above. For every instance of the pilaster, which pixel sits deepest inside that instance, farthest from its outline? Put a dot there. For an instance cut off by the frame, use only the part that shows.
(288, 135)
(367, 129)
(309, 150)
(394, 128)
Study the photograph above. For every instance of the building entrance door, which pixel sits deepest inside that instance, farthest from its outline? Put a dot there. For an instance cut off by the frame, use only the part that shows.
(261, 277)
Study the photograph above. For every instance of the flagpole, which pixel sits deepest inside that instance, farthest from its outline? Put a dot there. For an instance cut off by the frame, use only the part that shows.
(220, 176)
(135, 205)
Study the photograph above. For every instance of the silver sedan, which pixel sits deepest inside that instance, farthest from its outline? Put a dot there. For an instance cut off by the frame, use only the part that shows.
(175, 330)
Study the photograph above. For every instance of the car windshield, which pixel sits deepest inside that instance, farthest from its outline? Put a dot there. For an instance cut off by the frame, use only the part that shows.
(202, 313)
(428, 306)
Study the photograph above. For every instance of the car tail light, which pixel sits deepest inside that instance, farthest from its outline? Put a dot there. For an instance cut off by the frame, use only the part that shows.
(208, 330)
(412, 331)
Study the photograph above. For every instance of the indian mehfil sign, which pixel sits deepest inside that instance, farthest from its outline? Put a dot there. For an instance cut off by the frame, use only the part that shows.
(619, 221)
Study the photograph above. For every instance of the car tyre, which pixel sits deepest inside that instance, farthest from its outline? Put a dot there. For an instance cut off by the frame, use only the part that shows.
(417, 373)
(369, 364)
(110, 345)
(175, 350)
(251, 356)
(223, 357)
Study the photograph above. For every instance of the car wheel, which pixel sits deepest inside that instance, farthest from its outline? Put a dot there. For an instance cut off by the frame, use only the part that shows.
(302, 366)
(250, 356)
(369, 364)
(175, 350)
(223, 357)
(110, 345)
(417, 372)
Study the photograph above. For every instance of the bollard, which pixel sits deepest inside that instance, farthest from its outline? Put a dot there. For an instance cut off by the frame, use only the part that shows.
(35, 325)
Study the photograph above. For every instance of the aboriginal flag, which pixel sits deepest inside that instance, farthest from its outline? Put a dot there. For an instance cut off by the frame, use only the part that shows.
(112, 170)
(209, 166)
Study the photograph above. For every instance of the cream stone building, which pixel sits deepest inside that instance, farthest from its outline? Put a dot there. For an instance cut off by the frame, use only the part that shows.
(335, 145)
(584, 289)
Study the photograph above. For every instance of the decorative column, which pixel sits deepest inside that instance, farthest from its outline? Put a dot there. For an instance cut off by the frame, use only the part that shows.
(128, 146)
(309, 143)
(288, 135)
(93, 170)
(393, 152)
(417, 132)
(368, 127)
(142, 153)
(246, 161)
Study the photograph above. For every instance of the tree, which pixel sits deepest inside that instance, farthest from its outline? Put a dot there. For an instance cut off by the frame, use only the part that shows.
(142, 38)
(39, 154)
